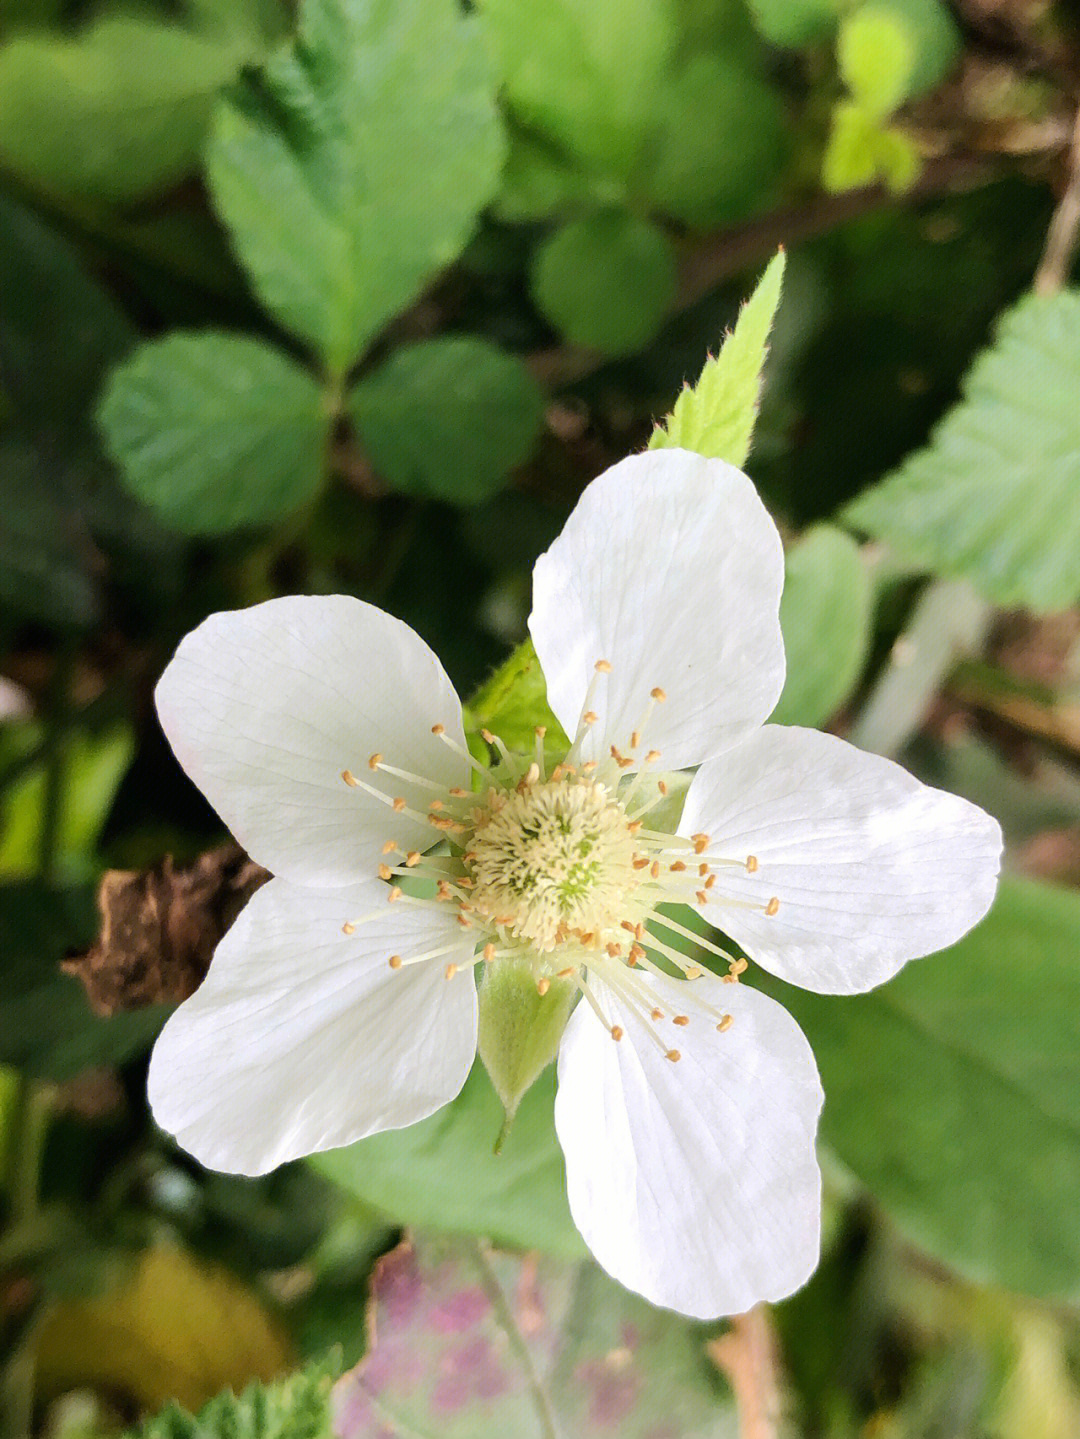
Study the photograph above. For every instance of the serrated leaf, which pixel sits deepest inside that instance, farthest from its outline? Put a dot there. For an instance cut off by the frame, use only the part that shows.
(995, 496)
(448, 417)
(472, 1344)
(876, 56)
(215, 431)
(951, 1093)
(825, 615)
(355, 168)
(585, 74)
(606, 281)
(721, 144)
(414, 1175)
(116, 113)
(716, 416)
(298, 1407)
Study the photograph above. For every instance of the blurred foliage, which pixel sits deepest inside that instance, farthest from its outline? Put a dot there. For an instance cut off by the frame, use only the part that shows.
(356, 296)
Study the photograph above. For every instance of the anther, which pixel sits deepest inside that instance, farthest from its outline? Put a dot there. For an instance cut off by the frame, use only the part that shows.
(654, 869)
(772, 906)
(543, 985)
(701, 843)
(385, 872)
(589, 717)
(565, 973)
(657, 1014)
(464, 921)
(751, 863)
(616, 1031)
(635, 739)
(389, 846)
(438, 729)
(398, 804)
(694, 972)
(702, 896)
(673, 1055)
(677, 867)
(603, 667)
(394, 895)
(451, 970)
(348, 776)
(658, 694)
(436, 804)
(374, 761)
(636, 953)
(488, 952)
(725, 1023)
(661, 786)
(532, 774)
(458, 792)
(703, 870)
(710, 881)
(395, 961)
(540, 731)
(589, 766)
(412, 859)
(348, 927)
(680, 1019)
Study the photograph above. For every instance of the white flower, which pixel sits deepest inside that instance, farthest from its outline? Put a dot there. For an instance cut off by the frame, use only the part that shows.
(329, 1013)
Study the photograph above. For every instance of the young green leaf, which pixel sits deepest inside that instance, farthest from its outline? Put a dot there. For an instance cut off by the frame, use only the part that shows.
(356, 166)
(606, 282)
(995, 495)
(448, 417)
(117, 112)
(716, 416)
(876, 55)
(215, 430)
(298, 1407)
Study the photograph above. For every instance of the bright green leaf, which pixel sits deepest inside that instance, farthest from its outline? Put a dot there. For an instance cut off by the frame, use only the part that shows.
(116, 113)
(932, 34)
(795, 22)
(356, 167)
(721, 146)
(513, 701)
(416, 1175)
(876, 55)
(861, 151)
(298, 1407)
(716, 416)
(215, 430)
(951, 1093)
(825, 616)
(995, 496)
(585, 1358)
(586, 74)
(606, 282)
(448, 417)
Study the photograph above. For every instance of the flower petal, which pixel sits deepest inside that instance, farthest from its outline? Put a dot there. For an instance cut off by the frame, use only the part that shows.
(302, 1038)
(265, 707)
(871, 867)
(670, 569)
(693, 1183)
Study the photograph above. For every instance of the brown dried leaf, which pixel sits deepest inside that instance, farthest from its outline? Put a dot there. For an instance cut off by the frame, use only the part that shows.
(160, 927)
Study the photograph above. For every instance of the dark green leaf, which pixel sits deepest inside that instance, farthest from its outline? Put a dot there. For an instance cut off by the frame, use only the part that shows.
(448, 418)
(606, 282)
(951, 1093)
(356, 168)
(215, 430)
(46, 552)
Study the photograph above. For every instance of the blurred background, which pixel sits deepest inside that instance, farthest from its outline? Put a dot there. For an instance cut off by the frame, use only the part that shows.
(356, 296)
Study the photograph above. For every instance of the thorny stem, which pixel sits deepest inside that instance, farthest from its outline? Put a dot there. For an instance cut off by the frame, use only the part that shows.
(748, 1355)
(549, 1424)
(1061, 237)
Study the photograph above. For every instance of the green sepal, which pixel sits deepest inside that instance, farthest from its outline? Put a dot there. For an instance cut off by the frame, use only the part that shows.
(520, 1028)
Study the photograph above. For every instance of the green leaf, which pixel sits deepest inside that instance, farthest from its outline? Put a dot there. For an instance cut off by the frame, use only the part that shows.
(876, 55)
(825, 616)
(117, 113)
(513, 701)
(415, 1175)
(995, 496)
(795, 22)
(716, 417)
(59, 331)
(932, 34)
(586, 74)
(722, 143)
(606, 282)
(538, 182)
(861, 150)
(298, 1407)
(215, 430)
(45, 573)
(46, 1025)
(448, 417)
(355, 168)
(951, 1093)
(470, 1344)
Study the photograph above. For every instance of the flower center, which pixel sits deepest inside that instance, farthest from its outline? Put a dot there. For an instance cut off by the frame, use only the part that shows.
(553, 860)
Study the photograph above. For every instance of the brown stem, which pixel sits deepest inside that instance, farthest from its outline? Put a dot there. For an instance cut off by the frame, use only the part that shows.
(748, 1354)
(1061, 237)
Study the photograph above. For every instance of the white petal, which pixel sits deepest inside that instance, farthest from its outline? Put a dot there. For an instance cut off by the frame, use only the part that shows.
(671, 569)
(871, 867)
(265, 707)
(694, 1183)
(302, 1038)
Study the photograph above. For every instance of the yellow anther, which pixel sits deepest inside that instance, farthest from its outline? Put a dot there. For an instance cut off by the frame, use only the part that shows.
(540, 731)
(395, 961)
(488, 952)
(589, 717)
(751, 864)
(701, 843)
(710, 881)
(385, 871)
(772, 906)
(673, 1055)
(658, 694)
(412, 858)
(374, 761)
(694, 972)
(543, 985)
(436, 804)
(398, 804)
(389, 846)
(603, 667)
(487, 736)
(658, 1014)
(616, 1031)
(654, 869)
(661, 786)
(590, 765)
(438, 729)
(677, 867)
(348, 776)
(532, 774)
(635, 739)
(702, 896)
(725, 1023)
(451, 970)
(394, 895)
(681, 1019)
(348, 927)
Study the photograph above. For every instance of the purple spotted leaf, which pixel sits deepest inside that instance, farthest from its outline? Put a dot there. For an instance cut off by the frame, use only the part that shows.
(470, 1343)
